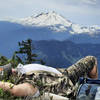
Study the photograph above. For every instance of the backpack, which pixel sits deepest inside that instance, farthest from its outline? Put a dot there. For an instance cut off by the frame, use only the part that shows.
(89, 89)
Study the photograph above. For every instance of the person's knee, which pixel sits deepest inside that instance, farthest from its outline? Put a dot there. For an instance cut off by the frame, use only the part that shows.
(94, 71)
(91, 59)
(93, 74)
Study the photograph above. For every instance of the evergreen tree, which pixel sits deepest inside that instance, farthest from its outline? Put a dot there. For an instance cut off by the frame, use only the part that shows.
(14, 60)
(26, 50)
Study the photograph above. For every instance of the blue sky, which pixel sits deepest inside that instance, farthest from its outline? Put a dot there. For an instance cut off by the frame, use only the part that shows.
(84, 12)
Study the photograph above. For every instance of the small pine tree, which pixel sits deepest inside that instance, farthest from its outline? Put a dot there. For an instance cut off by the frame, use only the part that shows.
(26, 50)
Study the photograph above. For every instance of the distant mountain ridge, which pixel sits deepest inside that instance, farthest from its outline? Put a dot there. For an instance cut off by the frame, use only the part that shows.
(45, 26)
(50, 26)
(64, 53)
(53, 20)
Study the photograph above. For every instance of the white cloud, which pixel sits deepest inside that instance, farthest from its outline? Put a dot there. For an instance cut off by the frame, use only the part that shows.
(93, 2)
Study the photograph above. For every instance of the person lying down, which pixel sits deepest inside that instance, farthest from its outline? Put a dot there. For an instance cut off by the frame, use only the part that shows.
(36, 80)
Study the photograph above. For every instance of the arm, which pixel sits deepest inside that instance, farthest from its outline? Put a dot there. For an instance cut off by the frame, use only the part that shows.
(24, 89)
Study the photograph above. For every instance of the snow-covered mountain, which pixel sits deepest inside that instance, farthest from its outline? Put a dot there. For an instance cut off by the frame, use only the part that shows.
(46, 19)
(56, 23)
(52, 20)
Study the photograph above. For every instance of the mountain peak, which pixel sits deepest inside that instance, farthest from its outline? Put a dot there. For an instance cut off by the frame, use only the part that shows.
(46, 19)
(48, 14)
(56, 22)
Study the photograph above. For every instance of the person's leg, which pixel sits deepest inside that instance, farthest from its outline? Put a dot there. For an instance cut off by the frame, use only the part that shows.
(85, 66)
